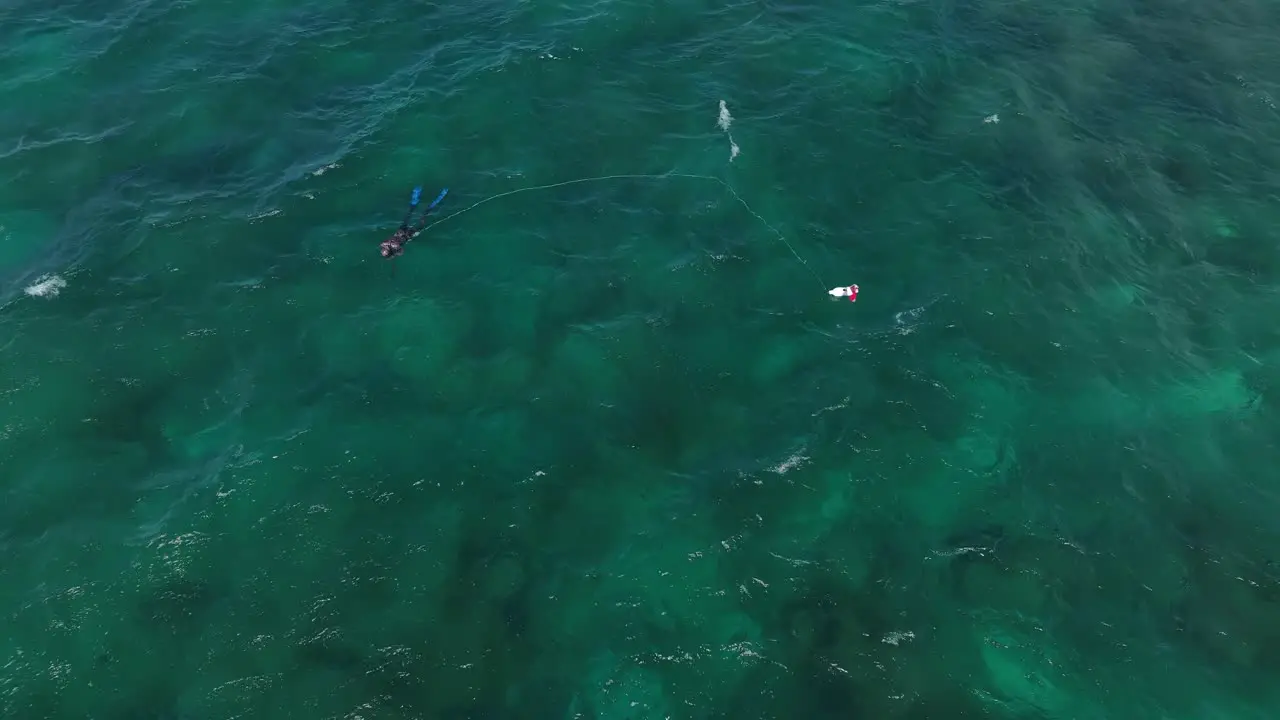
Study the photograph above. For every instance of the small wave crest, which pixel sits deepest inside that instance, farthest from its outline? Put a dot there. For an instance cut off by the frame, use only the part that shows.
(46, 286)
(724, 121)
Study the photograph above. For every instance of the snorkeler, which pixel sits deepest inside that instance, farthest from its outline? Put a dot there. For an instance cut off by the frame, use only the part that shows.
(394, 245)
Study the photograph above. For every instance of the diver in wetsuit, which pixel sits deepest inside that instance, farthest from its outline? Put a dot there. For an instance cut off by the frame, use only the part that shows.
(394, 245)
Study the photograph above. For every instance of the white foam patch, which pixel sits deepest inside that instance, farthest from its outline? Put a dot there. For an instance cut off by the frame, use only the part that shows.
(724, 121)
(897, 638)
(789, 464)
(48, 286)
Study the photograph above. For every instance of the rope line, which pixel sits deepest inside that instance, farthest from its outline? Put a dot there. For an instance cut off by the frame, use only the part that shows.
(632, 176)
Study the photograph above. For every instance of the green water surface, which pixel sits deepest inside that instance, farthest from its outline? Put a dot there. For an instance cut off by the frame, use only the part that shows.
(607, 450)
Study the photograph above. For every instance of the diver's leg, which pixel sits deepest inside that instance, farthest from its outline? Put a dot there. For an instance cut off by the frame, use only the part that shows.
(422, 222)
(414, 197)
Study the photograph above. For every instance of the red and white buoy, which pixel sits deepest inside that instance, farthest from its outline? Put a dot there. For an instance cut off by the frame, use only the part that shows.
(849, 291)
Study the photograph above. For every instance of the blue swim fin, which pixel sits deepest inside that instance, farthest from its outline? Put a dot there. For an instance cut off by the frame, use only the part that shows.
(436, 202)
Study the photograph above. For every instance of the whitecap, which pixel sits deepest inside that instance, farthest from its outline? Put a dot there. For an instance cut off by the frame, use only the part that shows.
(46, 286)
(724, 121)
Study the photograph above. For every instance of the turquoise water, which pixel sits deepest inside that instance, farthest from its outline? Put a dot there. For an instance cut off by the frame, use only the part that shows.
(607, 450)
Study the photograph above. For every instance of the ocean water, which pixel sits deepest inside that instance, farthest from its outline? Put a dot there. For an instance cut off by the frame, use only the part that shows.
(607, 450)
